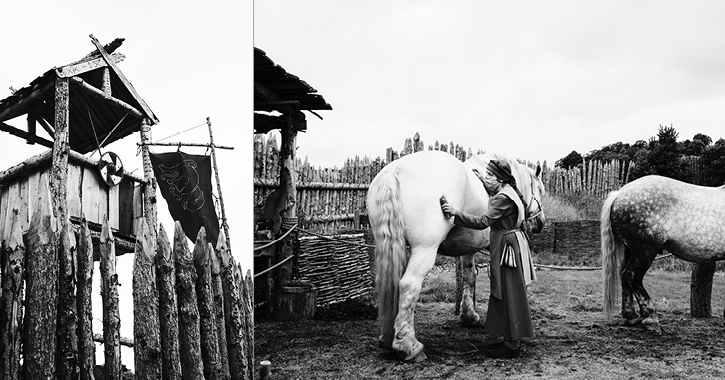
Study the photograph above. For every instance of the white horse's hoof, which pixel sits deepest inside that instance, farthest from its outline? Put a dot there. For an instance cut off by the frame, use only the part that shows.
(415, 357)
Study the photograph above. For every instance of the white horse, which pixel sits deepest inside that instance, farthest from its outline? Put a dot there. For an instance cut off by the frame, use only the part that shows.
(404, 207)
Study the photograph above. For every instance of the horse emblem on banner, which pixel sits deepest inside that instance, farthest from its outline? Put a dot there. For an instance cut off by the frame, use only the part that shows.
(183, 181)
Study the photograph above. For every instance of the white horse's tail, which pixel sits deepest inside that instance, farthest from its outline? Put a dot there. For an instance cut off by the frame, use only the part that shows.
(385, 209)
(612, 249)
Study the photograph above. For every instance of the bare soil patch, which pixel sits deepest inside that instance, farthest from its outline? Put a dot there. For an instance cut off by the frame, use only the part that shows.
(573, 341)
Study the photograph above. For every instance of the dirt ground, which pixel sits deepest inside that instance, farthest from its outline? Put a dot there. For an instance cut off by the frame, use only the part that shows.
(572, 339)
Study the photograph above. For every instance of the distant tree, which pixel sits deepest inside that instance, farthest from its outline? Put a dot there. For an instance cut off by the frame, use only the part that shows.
(705, 139)
(713, 164)
(571, 160)
(665, 155)
(691, 147)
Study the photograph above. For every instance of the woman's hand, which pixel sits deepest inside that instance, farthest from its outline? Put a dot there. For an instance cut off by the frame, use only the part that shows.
(448, 210)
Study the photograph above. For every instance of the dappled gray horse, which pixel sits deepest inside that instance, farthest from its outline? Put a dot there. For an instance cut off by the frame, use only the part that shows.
(647, 216)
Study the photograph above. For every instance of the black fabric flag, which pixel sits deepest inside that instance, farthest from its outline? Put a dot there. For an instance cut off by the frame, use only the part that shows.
(185, 183)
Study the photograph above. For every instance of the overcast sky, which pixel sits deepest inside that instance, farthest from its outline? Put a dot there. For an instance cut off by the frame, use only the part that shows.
(530, 79)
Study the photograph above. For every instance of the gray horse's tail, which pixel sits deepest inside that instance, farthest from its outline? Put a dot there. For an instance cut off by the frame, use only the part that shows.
(612, 252)
(385, 209)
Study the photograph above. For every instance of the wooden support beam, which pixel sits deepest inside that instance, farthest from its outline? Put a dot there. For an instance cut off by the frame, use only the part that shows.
(31, 129)
(24, 102)
(187, 144)
(40, 119)
(25, 135)
(106, 88)
(98, 94)
(265, 123)
(81, 67)
(125, 81)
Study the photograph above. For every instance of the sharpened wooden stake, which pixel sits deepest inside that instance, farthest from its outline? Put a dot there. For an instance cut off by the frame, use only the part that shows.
(239, 367)
(111, 316)
(12, 262)
(86, 346)
(221, 329)
(68, 318)
(207, 314)
(168, 307)
(189, 329)
(40, 339)
(147, 343)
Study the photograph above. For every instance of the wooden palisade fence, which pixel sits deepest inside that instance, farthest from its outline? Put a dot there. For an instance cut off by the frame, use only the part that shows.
(328, 198)
(192, 312)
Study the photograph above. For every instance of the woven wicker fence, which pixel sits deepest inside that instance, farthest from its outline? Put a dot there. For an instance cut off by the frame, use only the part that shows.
(340, 268)
(579, 241)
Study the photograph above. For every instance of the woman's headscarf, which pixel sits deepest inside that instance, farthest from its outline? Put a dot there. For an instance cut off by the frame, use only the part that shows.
(502, 171)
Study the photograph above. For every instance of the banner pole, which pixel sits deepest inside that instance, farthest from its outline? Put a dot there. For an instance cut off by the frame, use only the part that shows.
(218, 186)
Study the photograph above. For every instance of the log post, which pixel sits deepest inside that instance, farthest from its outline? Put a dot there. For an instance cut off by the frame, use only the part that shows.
(61, 148)
(168, 307)
(87, 349)
(147, 343)
(189, 337)
(287, 178)
(12, 261)
(701, 289)
(149, 199)
(111, 316)
(40, 339)
(68, 307)
(207, 314)
(233, 316)
(221, 330)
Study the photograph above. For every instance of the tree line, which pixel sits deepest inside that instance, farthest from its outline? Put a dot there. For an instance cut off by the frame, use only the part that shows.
(662, 155)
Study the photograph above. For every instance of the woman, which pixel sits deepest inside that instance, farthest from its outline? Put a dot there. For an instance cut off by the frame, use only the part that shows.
(511, 269)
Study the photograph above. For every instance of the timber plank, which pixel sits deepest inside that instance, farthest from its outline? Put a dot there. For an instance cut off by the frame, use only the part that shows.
(75, 179)
(91, 199)
(113, 206)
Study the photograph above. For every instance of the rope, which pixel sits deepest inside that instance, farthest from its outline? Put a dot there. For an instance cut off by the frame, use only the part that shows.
(274, 266)
(276, 241)
(186, 130)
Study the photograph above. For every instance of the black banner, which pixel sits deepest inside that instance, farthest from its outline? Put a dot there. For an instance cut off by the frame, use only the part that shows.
(185, 183)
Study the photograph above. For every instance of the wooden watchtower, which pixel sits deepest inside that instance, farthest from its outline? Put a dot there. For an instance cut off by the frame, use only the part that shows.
(82, 107)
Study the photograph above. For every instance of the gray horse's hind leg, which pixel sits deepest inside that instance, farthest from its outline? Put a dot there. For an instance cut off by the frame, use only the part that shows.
(634, 268)
(469, 316)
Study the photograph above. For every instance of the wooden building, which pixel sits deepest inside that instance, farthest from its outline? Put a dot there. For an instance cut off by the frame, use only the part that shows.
(279, 99)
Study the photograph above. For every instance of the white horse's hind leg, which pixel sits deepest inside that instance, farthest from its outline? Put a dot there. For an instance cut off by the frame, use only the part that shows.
(405, 344)
(469, 316)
